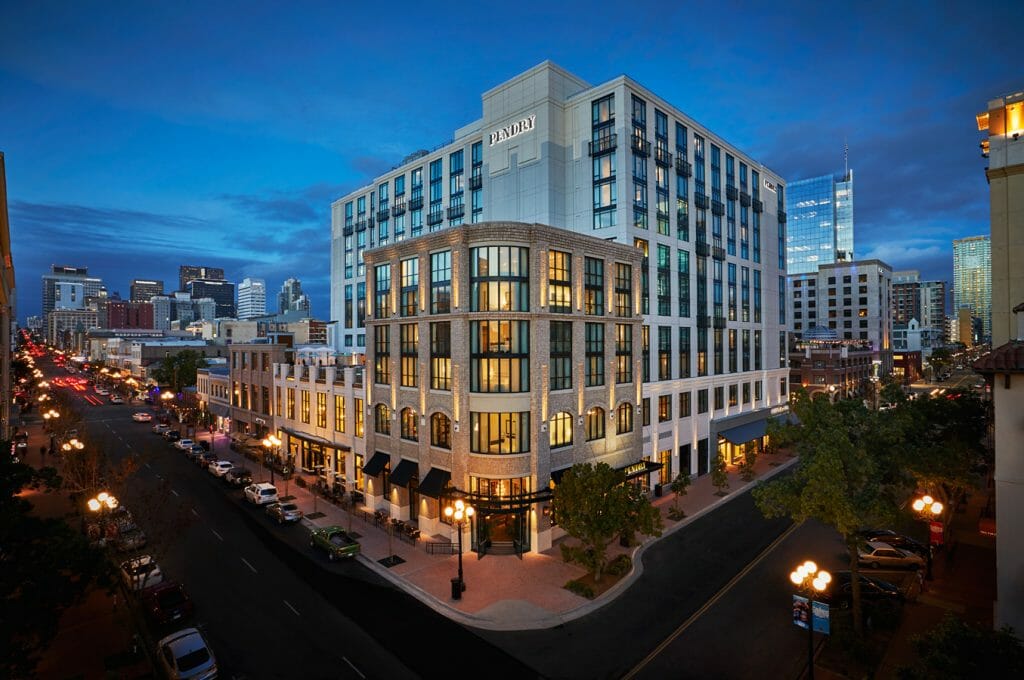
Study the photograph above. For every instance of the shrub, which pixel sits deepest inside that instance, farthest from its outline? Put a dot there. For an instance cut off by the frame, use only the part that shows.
(619, 566)
(580, 588)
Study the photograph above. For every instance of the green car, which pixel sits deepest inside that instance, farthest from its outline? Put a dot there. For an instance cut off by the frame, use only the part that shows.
(335, 541)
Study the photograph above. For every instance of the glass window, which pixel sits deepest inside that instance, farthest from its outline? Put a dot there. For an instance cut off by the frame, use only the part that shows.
(382, 355)
(382, 419)
(339, 413)
(684, 404)
(409, 346)
(499, 355)
(441, 282)
(623, 353)
(594, 424)
(410, 286)
(304, 407)
(560, 430)
(594, 354)
(499, 433)
(382, 290)
(664, 408)
(410, 425)
(359, 418)
(441, 356)
(560, 342)
(623, 289)
(559, 282)
(321, 409)
(440, 431)
(624, 418)
(499, 278)
(593, 286)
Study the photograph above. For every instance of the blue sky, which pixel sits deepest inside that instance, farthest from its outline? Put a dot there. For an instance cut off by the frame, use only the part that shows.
(143, 135)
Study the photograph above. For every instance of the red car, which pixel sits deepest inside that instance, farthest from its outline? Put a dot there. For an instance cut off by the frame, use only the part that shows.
(166, 602)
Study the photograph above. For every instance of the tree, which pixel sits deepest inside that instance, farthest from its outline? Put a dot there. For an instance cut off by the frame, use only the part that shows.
(940, 359)
(679, 487)
(892, 393)
(954, 649)
(719, 475)
(749, 460)
(595, 505)
(179, 370)
(45, 566)
(845, 478)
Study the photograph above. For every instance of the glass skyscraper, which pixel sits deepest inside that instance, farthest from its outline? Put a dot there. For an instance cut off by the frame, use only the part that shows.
(972, 278)
(820, 226)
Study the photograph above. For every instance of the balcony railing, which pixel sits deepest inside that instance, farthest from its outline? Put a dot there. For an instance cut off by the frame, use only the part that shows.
(349, 229)
(663, 157)
(730, 192)
(744, 199)
(604, 144)
(701, 200)
(383, 214)
(703, 321)
(683, 167)
(758, 206)
(702, 248)
(398, 209)
(361, 225)
(456, 211)
(435, 217)
(475, 182)
(717, 208)
(415, 203)
(719, 322)
(640, 145)
(718, 252)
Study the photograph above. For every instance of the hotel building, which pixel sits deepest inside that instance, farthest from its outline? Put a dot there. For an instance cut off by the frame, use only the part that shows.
(617, 163)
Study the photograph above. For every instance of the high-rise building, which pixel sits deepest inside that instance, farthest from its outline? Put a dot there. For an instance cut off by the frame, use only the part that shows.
(162, 312)
(126, 314)
(91, 287)
(933, 306)
(291, 297)
(223, 293)
(252, 298)
(142, 290)
(819, 228)
(188, 273)
(7, 309)
(617, 162)
(906, 296)
(972, 279)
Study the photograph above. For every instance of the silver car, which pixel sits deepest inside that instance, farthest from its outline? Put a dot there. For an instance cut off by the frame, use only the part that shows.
(186, 654)
(284, 512)
(876, 554)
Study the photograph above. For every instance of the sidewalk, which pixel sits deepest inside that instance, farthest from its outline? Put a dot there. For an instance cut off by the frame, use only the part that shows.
(94, 637)
(503, 592)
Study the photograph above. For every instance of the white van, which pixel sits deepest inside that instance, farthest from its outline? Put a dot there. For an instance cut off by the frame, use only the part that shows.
(261, 493)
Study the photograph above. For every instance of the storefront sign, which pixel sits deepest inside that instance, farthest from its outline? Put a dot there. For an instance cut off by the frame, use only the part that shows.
(636, 468)
(514, 130)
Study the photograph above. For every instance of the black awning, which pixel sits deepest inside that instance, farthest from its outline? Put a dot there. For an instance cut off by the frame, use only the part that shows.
(376, 464)
(434, 483)
(741, 434)
(404, 471)
(640, 468)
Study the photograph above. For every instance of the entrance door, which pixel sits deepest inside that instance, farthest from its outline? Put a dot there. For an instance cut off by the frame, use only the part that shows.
(703, 462)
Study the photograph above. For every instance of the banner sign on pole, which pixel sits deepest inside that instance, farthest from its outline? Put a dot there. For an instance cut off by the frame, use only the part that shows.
(819, 610)
(936, 532)
(807, 613)
(801, 611)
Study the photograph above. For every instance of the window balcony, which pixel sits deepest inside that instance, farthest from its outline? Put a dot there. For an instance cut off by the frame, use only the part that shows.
(730, 192)
(663, 157)
(640, 145)
(398, 209)
(717, 208)
(683, 167)
(383, 214)
(782, 217)
(718, 252)
(348, 230)
(604, 144)
(758, 206)
(701, 200)
(456, 211)
(703, 321)
(361, 225)
(416, 203)
(475, 182)
(702, 248)
(744, 199)
(719, 322)
(435, 217)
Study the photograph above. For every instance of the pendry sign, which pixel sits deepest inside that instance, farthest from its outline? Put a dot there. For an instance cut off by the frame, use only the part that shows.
(513, 130)
(769, 185)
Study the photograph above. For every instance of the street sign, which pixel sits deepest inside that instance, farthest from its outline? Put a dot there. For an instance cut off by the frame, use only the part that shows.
(935, 532)
(813, 613)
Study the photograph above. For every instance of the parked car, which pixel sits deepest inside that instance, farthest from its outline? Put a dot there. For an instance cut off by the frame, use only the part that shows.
(142, 417)
(160, 428)
(840, 590)
(238, 476)
(206, 459)
(186, 654)
(876, 554)
(284, 512)
(896, 540)
(219, 468)
(194, 451)
(261, 493)
(102, 392)
(184, 444)
(166, 602)
(335, 541)
(141, 572)
(132, 539)
(172, 435)
(116, 400)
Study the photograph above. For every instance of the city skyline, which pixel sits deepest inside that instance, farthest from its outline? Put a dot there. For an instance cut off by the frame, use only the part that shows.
(175, 168)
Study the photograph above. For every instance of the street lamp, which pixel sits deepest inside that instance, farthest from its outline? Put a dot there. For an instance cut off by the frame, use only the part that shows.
(102, 501)
(272, 442)
(72, 444)
(810, 580)
(459, 514)
(831, 394)
(927, 509)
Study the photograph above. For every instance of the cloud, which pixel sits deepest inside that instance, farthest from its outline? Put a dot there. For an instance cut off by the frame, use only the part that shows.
(302, 206)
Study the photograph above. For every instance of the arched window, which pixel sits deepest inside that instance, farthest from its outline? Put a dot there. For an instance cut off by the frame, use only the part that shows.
(624, 418)
(594, 424)
(440, 431)
(560, 430)
(382, 419)
(410, 429)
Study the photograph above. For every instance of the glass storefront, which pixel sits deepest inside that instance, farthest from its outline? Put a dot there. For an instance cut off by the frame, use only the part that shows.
(503, 513)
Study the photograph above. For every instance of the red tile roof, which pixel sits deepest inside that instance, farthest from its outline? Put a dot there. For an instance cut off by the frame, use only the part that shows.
(1008, 358)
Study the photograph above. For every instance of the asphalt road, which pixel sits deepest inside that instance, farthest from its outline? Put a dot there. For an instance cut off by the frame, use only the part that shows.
(270, 607)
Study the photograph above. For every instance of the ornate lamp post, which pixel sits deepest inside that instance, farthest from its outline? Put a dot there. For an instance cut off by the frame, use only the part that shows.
(272, 443)
(459, 513)
(809, 580)
(927, 509)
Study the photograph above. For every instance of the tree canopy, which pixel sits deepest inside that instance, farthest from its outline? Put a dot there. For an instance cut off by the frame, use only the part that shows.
(179, 370)
(954, 649)
(595, 505)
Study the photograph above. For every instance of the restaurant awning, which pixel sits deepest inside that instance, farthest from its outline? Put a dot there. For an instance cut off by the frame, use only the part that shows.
(404, 471)
(219, 410)
(376, 464)
(434, 483)
(741, 434)
(641, 468)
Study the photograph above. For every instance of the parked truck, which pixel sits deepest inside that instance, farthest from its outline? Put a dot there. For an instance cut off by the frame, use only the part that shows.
(335, 541)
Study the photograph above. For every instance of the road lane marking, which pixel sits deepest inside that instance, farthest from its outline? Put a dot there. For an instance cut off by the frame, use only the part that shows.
(148, 465)
(709, 604)
(218, 536)
(250, 566)
(352, 666)
(194, 512)
(159, 477)
(289, 605)
(175, 492)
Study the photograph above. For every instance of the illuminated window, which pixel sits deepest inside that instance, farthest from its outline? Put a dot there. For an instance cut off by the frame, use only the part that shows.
(624, 418)
(382, 419)
(440, 431)
(560, 432)
(410, 428)
(594, 424)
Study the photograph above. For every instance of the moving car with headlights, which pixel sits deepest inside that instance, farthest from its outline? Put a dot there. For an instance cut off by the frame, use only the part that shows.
(142, 417)
(284, 512)
(114, 399)
(186, 654)
(335, 541)
(141, 572)
(876, 554)
(160, 428)
(184, 444)
(166, 602)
